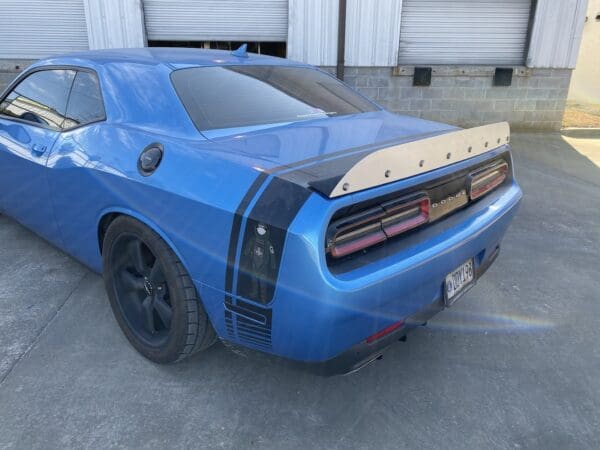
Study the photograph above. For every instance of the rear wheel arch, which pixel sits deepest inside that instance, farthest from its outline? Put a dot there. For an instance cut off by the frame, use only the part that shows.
(108, 216)
(141, 278)
(103, 225)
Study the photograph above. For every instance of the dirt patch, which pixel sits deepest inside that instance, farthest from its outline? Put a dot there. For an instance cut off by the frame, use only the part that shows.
(582, 116)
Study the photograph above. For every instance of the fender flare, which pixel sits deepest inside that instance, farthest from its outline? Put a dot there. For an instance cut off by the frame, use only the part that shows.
(146, 221)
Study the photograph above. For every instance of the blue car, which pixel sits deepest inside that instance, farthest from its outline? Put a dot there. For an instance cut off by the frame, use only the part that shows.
(251, 199)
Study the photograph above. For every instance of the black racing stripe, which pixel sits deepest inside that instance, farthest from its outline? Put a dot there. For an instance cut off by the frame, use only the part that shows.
(367, 148)
(229, 323)
(248, 330)
(323, 177)
(276, 208)
(235, 232)
(328, 170)
(258, 317)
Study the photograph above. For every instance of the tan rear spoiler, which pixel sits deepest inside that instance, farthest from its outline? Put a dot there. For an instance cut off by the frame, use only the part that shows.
(413, 158)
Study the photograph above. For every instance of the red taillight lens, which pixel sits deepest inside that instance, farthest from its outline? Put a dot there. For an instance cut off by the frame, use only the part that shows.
(356, 232)
(387, 330)
(364, 238)
(487, 180)
(375, 225)
(403, 216)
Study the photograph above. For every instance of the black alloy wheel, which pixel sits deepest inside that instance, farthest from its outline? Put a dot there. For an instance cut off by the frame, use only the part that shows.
(152, 295)
(143, 291)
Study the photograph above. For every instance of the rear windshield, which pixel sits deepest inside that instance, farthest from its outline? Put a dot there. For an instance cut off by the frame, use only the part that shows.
(241, 96)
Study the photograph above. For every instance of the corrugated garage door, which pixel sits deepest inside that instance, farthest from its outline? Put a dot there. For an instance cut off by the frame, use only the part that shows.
(464, 32)
(38, 28)
(214, 20)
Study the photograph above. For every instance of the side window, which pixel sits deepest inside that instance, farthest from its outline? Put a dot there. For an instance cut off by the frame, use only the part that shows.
(85, 103)
(40, 98)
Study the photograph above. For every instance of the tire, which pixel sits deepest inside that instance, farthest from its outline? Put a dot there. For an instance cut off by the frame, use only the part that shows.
(151, 294)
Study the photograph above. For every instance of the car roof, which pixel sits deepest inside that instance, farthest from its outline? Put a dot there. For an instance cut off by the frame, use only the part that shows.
(173, 57)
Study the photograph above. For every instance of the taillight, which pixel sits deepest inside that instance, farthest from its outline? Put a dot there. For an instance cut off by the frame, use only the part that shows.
(356, 232)
(384, 219)
(486, 180)
(405, 215)
(375, 225)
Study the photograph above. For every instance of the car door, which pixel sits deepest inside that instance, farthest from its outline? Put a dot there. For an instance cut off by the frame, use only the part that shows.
(31, 118)
(72, 168)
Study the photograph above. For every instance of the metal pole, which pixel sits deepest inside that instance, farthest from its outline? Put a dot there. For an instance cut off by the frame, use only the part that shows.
(341, 47)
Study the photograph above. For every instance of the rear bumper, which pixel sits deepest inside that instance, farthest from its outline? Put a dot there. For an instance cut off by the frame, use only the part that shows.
(362, 354)
(318, 315)
(322, 319)
(352, 359)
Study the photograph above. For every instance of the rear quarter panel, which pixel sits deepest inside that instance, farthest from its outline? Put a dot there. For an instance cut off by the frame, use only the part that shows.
(189, 200)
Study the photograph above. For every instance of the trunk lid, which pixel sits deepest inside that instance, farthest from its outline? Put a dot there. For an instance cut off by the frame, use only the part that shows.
(316, 152)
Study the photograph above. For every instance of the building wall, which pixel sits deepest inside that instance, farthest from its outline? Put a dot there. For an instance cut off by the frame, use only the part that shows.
(585, 85)
(115, 23)
(556, 33)
(108, 24)
(10, 68)
(40, 28)
(462, 95)
(536, 99)
(372, 32)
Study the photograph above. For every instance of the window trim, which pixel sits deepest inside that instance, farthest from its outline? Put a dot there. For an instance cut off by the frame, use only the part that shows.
(101, 119)
(74, 68)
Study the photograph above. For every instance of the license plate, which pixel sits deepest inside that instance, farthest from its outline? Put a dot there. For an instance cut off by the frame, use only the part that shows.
(458, 282)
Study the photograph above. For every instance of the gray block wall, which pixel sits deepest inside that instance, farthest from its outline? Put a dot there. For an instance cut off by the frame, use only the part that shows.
(10, 68)
(465, 96)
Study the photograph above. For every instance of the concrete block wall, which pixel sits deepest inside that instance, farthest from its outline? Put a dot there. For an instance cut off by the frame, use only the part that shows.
(10, 68)
(466, 97)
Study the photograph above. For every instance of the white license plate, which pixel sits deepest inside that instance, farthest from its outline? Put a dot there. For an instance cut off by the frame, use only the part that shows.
(458, 282)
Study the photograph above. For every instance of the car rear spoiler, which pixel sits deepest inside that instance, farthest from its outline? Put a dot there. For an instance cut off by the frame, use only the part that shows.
(406, 160)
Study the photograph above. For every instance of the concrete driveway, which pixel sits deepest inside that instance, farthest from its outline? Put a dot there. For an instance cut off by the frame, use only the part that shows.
(515, 364)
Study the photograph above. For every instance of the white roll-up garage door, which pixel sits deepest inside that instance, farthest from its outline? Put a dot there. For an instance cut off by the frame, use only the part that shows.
(37, 28)
(216, 20)
(464, 31)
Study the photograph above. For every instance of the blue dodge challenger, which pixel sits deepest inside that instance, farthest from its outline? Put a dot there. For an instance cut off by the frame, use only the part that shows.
(251, 199)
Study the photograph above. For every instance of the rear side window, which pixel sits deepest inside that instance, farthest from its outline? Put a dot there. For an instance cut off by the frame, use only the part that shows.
(240, 96)
(41, 98)
(85, 102)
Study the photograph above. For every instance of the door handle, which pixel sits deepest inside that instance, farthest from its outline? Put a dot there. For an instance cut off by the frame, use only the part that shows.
(38, 149)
